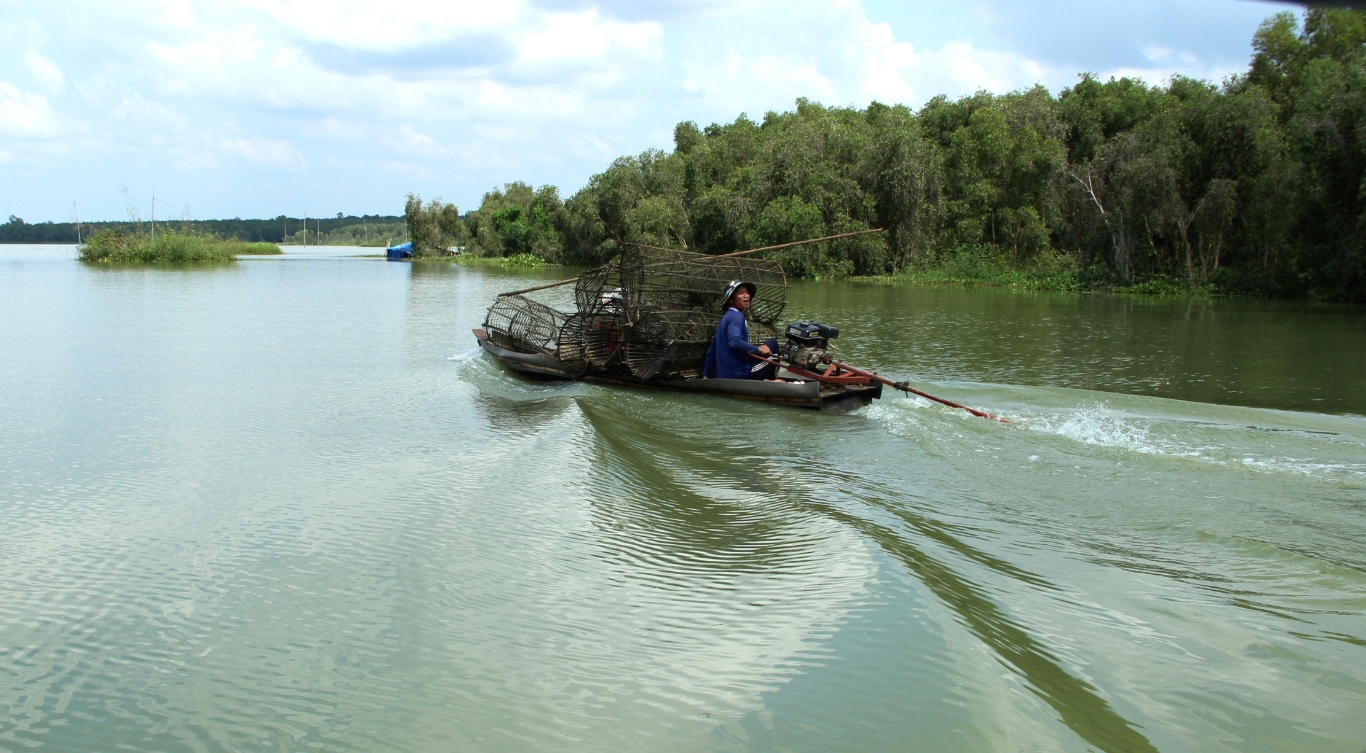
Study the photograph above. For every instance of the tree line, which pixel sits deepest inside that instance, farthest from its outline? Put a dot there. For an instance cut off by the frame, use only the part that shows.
(274, 230)
(1255, 185)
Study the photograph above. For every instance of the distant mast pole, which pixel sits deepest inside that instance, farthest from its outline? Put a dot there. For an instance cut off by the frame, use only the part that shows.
(154, 213)
(78, 222)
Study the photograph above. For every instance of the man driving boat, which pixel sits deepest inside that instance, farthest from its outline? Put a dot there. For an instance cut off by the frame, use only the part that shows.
(728, 357)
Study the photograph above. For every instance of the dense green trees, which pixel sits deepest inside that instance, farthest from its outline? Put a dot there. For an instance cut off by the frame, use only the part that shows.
(517, 220)
(434, 228)
(1255, 185)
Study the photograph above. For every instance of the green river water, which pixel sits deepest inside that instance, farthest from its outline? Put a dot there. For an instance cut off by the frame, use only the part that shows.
(287, 505)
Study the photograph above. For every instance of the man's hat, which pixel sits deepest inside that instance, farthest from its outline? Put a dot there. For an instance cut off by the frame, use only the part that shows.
(734, 286)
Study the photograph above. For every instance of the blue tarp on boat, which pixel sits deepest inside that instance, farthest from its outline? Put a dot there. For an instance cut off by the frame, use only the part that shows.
(399, 252)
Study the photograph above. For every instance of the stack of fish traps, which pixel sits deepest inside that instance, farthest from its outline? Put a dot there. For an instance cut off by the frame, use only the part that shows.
(652, 312)
(518, 323)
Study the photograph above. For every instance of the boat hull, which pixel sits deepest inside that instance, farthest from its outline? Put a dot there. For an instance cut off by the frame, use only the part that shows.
(799, 394)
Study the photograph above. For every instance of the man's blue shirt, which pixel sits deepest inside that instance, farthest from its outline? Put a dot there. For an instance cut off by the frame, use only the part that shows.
(730, 348)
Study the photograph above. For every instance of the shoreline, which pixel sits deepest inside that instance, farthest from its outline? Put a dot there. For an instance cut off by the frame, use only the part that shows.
(1054, 282)
(1073, 281)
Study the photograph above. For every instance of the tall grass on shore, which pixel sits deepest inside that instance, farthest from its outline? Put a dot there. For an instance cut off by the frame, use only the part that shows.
(244, 248)
(114, 245)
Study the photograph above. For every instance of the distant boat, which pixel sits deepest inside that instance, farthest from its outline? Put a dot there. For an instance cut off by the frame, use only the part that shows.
(400, 252)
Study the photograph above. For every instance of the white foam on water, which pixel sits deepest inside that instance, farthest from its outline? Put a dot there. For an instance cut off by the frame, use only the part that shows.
(467, 356)
(1233, 445)
(1097, 425)
(1245, 439)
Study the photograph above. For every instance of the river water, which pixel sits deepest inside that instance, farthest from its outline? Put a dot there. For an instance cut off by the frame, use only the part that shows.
(286, 505)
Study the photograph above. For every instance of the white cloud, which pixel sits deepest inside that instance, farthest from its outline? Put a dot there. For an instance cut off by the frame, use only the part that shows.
(1163, 76)
(265, 151)
(1166, 55)
(886, 63)
(736, 82)
(830, 51)
(44, 72)
(415, 140)
(586, 38)
(360, 25)
(960, 68)
(1157, 54)
(27, 115)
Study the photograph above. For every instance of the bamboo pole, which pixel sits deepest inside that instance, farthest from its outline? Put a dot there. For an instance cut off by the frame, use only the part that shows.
(904, 387)
(746, 252)
(799, 243)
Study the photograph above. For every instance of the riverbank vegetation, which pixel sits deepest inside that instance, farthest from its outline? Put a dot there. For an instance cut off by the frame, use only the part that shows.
(172, 245)
(1251, 186)
(524, 261)
(435, 228)
(519, 261)
(242, 248)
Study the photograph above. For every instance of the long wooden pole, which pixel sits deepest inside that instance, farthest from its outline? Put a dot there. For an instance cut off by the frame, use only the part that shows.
(799, 243)
(904, 387)
(555, 284)
(746, 252)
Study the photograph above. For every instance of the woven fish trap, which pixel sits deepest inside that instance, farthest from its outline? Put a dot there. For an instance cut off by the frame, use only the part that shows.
(664, 343)
(520, 324)
(601, 339)
(599, 290)
(570, 348)
(770, 281)
(663, 279)
(759, 332)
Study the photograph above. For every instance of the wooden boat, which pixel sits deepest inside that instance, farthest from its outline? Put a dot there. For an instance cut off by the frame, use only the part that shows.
(795, 392)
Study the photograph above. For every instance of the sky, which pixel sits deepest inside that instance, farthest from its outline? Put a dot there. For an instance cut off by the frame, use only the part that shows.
(258, 108)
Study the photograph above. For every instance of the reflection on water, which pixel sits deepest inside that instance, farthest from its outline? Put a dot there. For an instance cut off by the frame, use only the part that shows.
(518, 415)
(291, 507)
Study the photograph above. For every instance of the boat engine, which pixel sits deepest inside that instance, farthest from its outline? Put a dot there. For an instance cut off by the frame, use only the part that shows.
(806, 344)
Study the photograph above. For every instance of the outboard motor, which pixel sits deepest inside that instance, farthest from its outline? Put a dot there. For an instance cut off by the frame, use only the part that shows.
(806, 344)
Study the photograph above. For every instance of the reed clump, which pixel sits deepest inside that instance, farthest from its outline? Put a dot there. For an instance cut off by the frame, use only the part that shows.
(244, 248)
(114, 245)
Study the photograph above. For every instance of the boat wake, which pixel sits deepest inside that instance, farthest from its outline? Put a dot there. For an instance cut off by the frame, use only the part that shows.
(1259, 440)
(467, 356)
(491, 379)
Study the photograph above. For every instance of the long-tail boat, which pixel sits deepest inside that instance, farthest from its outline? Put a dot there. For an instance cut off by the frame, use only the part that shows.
(788, 389)
(646, 319)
